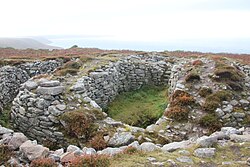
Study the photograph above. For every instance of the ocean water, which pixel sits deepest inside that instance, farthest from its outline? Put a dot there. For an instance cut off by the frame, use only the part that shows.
(202, 45)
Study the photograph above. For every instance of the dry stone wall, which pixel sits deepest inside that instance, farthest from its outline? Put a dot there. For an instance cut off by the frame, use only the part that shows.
(12, 77)
(39, 104)
(130, 73)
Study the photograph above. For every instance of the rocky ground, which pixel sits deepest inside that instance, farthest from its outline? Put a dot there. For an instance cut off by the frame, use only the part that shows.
(57, 112)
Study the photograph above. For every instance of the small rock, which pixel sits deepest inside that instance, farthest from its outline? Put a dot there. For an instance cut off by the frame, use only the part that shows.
(234, 102)
(52, 83)
(89, 151)
(61, 107)
(185, 159)
(121, 139)
(219, 112)
(4, 130)
(205, 152)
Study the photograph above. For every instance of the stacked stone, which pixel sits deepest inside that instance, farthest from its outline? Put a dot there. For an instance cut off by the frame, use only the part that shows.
(130, 73)
(40, 67)
(10, 80)
(36, 114)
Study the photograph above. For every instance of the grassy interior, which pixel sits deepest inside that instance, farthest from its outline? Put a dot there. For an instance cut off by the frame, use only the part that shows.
(141, 107)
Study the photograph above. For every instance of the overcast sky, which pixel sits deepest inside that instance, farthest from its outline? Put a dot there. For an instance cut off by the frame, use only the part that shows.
(127, 20)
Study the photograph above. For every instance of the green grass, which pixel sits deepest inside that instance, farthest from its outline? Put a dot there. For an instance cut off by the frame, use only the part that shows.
(141, 107)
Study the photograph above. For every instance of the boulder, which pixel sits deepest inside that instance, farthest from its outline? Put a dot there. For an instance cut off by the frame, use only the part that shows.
(176, 145)
(206, 141)
(121, 139)
(148, 147)
(31, 150)
(17, 140)
(240, 138)
(204, 152)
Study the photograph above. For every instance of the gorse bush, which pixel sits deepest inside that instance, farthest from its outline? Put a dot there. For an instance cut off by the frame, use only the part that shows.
(43, 162)
(91, 161)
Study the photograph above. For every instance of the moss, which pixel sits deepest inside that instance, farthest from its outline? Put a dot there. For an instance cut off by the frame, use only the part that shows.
(192, 76)
(211, 122)
(5, 117)
(214, 100)
(229, 75)
(205, 91)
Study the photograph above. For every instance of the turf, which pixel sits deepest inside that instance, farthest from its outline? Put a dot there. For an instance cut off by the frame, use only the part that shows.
(141, 107)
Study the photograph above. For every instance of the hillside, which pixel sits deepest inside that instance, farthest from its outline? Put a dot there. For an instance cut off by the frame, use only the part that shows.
(24, 43)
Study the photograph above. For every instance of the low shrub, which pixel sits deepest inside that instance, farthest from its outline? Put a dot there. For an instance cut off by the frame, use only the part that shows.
(177, 113)
(211, 122)
(229, 75)
(181, 98)
(91, 161)
(43, 162)
(224, 72)
(214, 100)
(130, 150)
(205, 91)
(80, 123)
(72, 65)
(5, 154)
(63, 72)
(98, 142)
(192, 76)
(197, 63)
